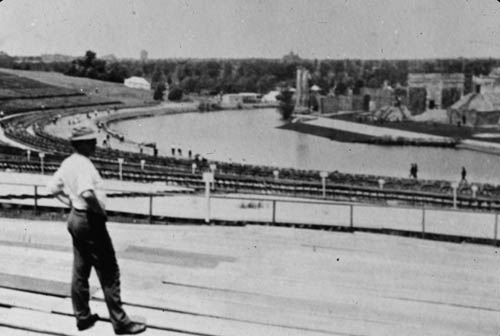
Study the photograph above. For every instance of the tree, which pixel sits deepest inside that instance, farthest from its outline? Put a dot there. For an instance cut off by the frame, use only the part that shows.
(175, 94)
(117, 73)
(266, 83)
(190, 84)
(341, 88)
(158, 76)
(286, 105)
(89, 59)
(159, 92)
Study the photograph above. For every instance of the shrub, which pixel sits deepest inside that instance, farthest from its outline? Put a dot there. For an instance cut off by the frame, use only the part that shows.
(175, 94)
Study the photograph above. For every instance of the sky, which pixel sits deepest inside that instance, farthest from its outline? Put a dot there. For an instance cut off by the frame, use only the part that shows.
(314, 29)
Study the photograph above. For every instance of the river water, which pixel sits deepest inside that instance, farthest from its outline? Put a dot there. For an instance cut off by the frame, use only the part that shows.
(252, 136)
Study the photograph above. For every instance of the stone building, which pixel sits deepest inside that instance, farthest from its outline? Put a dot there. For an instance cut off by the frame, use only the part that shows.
(434, 90)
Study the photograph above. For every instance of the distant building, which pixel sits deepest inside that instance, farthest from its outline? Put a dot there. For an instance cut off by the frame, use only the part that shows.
(236, 100)
(27, 59)
(291, 57)
(476, 109)
(49, 58)
(368, 99)
(392, 113)
(144, 56)
(434, 90)
(137, 83)
(270, 97)
(487, 84)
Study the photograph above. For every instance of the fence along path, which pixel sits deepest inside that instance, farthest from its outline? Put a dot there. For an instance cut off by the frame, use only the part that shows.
(210, 280)
(269, 210)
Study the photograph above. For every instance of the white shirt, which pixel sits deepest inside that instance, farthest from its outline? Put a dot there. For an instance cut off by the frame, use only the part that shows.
(76, 175)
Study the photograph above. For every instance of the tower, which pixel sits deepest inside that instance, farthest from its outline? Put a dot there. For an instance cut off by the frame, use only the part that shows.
(144, 56)
(302, 90)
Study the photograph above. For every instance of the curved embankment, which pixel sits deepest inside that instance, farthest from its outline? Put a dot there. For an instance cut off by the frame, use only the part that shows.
(48, 141)
(334, 177)
(141, 112)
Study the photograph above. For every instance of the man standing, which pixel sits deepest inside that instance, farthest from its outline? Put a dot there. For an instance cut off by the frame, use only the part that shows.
(78, 184)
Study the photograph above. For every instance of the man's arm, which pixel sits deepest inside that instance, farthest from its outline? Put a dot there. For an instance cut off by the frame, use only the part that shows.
(63, 198)
(93, 203)
(56, 187)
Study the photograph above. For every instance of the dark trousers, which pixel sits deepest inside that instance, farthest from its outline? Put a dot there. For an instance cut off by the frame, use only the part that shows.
(92, 247)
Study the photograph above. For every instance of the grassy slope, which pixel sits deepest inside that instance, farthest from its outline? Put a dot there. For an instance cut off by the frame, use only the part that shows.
(105, 90)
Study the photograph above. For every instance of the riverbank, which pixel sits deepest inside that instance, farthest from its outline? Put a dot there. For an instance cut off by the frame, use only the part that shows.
(396, 133)
(338, 134)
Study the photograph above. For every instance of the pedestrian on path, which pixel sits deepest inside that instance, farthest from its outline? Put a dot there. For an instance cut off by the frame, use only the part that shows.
(464, 174)
(413, 170)
(77, 183)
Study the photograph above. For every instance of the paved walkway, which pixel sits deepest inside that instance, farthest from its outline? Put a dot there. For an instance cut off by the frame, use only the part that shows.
(209, 280)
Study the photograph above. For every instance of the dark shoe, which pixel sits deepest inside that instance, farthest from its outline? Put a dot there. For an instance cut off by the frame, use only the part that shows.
(131, 329)
(87, 323)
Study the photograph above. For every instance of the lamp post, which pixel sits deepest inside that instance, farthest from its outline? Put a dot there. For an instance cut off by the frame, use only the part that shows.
(42, 157)
(120, 168)
(323, 176)
(454, 185)
(213, 166)
(474, 189)
(381, 183)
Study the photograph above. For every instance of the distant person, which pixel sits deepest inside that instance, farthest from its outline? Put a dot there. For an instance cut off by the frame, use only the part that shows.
(413, 170)
(77, 184)
(173, 150)
(464, 174)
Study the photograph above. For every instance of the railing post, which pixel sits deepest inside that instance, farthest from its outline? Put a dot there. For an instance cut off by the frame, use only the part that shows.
(274, 211)
(208, 178)
(351, 208)
(496, 229)
(150, 208)
(36, 200)
(423, 222)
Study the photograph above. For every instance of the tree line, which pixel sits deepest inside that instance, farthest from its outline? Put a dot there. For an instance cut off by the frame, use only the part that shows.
(215, 76)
